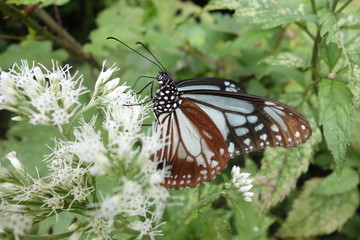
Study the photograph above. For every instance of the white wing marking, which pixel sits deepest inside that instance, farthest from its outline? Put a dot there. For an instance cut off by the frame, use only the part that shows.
(225, 103)
(199, 87)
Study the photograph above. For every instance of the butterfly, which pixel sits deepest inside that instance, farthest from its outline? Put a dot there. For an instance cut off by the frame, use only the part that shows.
(206, 121)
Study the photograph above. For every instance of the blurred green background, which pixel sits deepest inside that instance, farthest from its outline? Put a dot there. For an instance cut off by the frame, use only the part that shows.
(277, 49)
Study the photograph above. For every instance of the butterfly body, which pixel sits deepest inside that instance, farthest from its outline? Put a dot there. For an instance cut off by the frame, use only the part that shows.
(206, 121)
(167, 95)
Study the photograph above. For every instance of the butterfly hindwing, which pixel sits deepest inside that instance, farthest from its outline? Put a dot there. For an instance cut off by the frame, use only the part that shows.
(195, 148)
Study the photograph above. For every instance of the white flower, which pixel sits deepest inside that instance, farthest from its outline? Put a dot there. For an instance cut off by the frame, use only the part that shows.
(146, 228)
(104, 78)
(8, 188)
(100, 227)
(241, 183)
(42, 96)
(11, 156)
(55, 202)
(89, 148)
(19, 224)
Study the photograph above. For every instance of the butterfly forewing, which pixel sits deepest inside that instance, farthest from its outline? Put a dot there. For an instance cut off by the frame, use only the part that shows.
(217, 84)
(195, 149)
(249, 123)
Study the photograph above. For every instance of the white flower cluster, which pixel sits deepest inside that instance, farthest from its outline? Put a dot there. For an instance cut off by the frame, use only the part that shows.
(111, 145)
(241, 183)
(42, 96)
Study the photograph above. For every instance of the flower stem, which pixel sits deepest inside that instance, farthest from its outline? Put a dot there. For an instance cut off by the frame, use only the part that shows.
(68, 130)
(203, 202)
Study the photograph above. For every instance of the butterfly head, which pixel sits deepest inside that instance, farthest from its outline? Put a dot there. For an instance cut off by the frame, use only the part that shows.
(163, 78)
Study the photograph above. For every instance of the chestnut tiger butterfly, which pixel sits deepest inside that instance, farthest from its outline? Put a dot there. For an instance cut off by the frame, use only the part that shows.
(206, 121)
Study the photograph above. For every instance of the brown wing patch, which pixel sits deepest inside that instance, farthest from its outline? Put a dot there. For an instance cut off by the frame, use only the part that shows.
(196, 150)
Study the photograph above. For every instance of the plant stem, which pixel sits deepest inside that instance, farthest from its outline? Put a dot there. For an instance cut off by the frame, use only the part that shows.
(67, 43)
(333, 7)
(77, 116)
(313, 6)
(306, 31)
(315, 50)
(201, 203)
(344, 6)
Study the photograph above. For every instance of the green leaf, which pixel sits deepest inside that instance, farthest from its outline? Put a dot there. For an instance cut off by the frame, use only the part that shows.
(314, 214)
(330, 54)
(266, 14)
(24, 2)
(114, 21)
(246, 218)
(349, 19)
(333, 185)
(354, 85)
(351, 228)
(286, 59)
(281, 168)
(335, 100)
(47, 3)
(219, 222)
(32, 51)
(329, 28)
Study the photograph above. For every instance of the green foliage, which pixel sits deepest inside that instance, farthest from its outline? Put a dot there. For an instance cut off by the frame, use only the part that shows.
(335, 101)
(281, 168)
(303, 53)
(32, 51)
(314, 214)
(286, 59)
(265, 13)
(334, 185)
(330, 53)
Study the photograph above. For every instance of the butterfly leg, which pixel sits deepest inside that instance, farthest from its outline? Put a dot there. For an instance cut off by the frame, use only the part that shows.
(151, 84)
(142, 77)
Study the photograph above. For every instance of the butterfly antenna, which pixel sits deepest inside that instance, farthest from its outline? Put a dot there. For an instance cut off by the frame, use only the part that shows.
(161, 67)
(147, 49)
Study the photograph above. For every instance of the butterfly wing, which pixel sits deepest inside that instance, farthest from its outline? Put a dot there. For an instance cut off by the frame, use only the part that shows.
(216, 120)
(195, 148)
(216, 84)
(248, 122)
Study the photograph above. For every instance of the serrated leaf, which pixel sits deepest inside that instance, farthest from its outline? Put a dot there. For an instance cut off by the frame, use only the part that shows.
(313, 214)
(330, 54)
(266, 14)
(332, 184)
(354, 85)
(335, 101)
(329, 28)
(32, 51)
(281, 168)
(286, 59)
